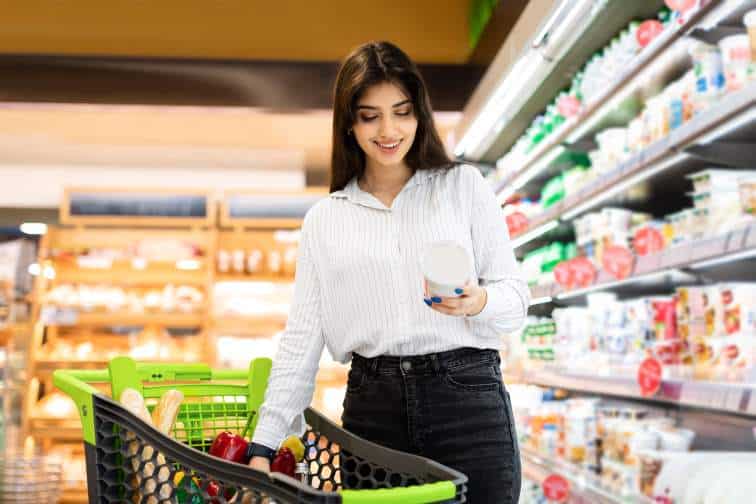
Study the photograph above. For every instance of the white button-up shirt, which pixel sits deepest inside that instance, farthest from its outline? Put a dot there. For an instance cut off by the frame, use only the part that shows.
(359, 285)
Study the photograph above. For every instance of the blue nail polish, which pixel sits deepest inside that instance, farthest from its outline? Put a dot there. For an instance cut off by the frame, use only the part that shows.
(428, 302)
(458, 291)
(436, 299)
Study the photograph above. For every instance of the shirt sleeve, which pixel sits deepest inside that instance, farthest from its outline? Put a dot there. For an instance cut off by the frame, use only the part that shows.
(292, 377)
(498, 270)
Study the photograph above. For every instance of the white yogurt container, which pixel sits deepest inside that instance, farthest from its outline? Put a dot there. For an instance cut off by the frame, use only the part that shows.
(446, 266)
(736, 58)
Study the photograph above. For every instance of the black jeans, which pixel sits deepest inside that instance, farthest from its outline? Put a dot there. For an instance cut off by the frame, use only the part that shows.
(450, 407)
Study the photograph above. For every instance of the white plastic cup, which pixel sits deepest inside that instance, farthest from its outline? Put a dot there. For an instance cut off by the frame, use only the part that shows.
(446, 266)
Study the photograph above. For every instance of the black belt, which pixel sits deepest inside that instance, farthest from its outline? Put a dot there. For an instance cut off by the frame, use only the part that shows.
(428, 363)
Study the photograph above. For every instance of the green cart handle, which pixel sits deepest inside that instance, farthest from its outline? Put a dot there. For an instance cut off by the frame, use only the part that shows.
(440, 491)
(76, 382)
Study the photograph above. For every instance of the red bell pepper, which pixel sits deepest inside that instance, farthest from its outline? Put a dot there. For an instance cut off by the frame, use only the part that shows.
(230, 446)
(284, 462)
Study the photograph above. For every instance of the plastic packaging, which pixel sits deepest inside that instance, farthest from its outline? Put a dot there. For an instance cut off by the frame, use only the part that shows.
(736, 59)
(708, 73)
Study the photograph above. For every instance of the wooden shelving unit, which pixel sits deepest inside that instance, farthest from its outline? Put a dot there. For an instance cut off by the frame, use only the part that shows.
(77, 254)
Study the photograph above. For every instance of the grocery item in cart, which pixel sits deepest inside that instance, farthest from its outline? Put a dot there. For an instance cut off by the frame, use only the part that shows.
(129, 460)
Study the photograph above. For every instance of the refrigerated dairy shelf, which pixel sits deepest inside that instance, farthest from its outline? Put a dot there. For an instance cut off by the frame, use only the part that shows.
(736, 245)
(584, 487)
(733, 114)
(722, 397)
(634, 78)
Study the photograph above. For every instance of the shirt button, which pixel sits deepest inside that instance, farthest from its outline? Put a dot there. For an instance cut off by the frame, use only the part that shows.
(406, 365)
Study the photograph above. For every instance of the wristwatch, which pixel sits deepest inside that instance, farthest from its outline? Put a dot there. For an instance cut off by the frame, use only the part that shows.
(258, 450)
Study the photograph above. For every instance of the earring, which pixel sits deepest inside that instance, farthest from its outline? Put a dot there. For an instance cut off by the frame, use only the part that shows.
(349, 131)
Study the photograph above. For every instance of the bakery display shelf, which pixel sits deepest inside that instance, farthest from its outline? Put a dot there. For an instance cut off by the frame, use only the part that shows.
(654, 59)
(261, 326)
(48, 366)
(720, 397)
(665, 267)
(123, 273)
(134, 319)
(735, 114)
(584, 487)
(240, 277)
(74, 495)
(56, 429)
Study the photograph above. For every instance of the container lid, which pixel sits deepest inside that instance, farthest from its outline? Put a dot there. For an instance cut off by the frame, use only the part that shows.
(446, 263)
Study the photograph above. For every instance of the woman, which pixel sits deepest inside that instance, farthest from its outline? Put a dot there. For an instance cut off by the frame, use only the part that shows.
(425, 375)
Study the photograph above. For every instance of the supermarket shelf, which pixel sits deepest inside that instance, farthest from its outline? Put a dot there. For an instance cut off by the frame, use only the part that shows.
(138, 319)
(665, 266)
(240, 277)
(44, 367)
(71, 495)
(584, 487)
(597, 28)
(122, 273)
(263, 326)
(729, 398)
(734, 115)
(64, 429)
(636, 74)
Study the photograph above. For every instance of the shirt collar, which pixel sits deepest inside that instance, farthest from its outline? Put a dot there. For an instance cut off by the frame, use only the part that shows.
(353, 193)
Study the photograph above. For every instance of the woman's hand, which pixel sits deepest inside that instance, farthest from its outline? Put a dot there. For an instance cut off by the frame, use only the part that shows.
(260, 463)
(471, 301)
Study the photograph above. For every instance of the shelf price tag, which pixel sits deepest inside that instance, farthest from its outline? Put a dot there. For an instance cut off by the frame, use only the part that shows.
(556, 488)
(576, 272)
(648, 31)
(680, 5)
(647, 241)
(583, 271)
(517, 223)
(618, 261)
(649, 377)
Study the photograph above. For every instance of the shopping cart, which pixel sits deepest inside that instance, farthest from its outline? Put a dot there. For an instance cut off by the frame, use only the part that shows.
(129, 460)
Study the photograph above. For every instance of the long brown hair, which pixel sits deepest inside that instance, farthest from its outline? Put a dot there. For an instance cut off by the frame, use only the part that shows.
(370, 64)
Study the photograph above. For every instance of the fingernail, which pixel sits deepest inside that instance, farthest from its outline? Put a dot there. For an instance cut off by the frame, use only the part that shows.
(458, 291)
(436, 299)
(428, 302)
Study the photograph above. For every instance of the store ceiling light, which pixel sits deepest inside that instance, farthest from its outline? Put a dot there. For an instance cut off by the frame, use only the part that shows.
(33, 228)
(565, 24)
(498, 107)
(534, 233)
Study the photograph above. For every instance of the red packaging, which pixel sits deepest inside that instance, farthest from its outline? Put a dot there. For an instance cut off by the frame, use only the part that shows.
(664, 313)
